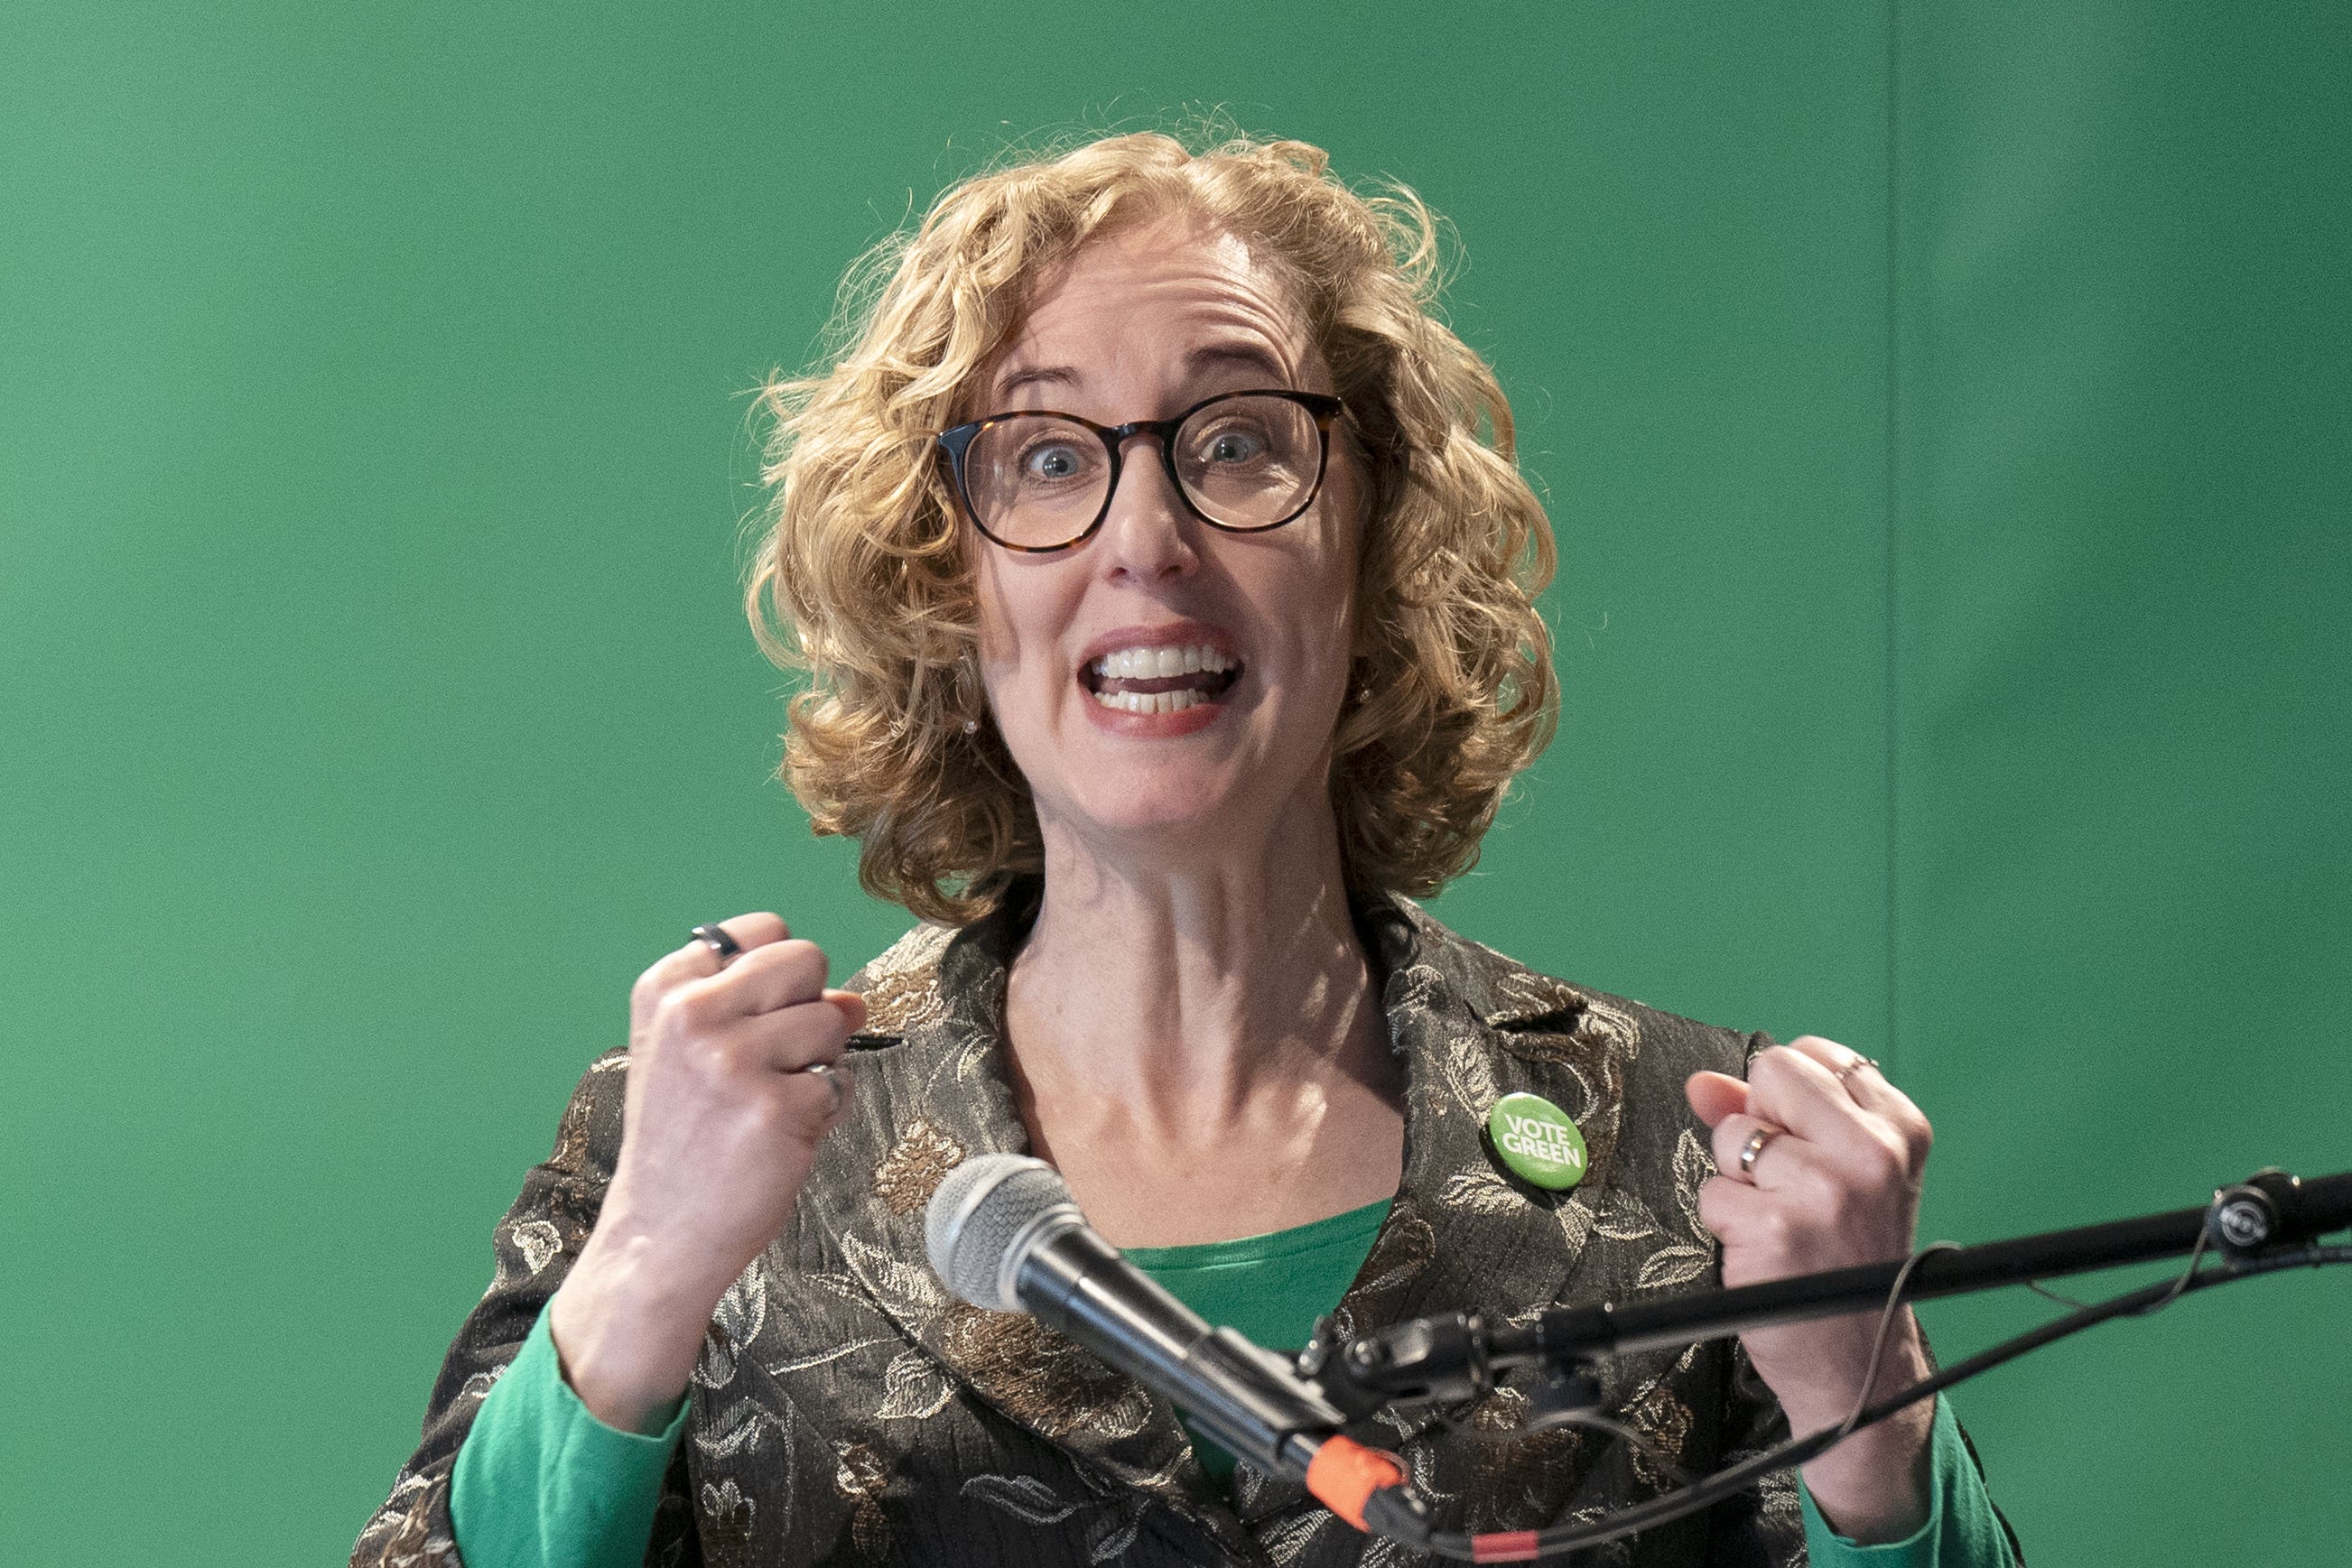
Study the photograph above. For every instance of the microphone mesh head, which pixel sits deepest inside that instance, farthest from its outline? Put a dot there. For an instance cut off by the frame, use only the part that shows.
(981, 1208)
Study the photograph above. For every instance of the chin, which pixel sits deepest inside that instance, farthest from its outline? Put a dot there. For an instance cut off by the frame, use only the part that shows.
(1135, 792)
(1161, 813)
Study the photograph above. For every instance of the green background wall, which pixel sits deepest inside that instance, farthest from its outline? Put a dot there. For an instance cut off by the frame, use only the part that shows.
(1943, 411)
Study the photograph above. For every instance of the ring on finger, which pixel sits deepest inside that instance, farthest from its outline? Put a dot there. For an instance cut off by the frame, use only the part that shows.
(714, 936)
(1764, 1133)
(1856, 1065)
(822, 1071)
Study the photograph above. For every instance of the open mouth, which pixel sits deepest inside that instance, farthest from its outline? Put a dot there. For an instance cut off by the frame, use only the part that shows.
(1161, 680)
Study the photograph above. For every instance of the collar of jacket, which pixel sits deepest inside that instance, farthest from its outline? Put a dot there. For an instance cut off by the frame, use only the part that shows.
(1471, 1025)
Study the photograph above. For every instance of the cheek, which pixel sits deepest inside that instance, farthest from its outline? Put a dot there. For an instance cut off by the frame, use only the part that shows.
(994, 621)
(1321, 599)
(1014, 600)
(1021, 613)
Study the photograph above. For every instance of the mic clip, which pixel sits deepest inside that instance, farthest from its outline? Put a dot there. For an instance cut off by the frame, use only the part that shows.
(1560, 1394)
(1425, 1360)
(2262, 1212)
(1440, 1361)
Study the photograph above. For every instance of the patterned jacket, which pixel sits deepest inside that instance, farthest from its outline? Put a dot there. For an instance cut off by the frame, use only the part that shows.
(846, 1409)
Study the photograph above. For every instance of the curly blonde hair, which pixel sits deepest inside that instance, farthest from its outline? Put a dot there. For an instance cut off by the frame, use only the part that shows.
(862, 556)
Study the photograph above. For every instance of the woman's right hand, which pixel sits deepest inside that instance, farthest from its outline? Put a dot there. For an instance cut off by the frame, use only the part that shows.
(720, 1127)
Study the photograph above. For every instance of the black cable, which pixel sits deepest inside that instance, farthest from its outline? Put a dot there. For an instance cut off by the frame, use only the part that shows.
(1730, 1482)
(2195, 1253)
(2039, 1288)
(1853, 1423)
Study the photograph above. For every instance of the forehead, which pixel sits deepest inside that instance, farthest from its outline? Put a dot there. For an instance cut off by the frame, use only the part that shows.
(1155, 305)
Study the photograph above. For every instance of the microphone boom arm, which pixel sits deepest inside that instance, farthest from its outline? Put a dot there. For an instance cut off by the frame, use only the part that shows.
(1456, 1356)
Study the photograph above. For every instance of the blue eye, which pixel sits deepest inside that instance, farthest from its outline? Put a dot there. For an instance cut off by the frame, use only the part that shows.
(1232, 444)
(1052, 462)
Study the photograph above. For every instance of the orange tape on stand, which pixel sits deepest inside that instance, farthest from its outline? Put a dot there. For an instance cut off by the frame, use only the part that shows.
(1344, 1474)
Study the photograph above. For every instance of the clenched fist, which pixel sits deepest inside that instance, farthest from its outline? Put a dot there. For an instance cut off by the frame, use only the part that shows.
(719, 1128)
(1833, 1182)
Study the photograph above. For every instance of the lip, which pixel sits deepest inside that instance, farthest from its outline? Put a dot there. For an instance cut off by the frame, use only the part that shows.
(1161, 635)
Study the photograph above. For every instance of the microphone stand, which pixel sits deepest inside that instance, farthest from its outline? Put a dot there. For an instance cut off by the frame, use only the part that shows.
(2257, 1224)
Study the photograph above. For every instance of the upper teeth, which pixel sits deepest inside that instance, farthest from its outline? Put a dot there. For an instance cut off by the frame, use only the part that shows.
(1146, 663)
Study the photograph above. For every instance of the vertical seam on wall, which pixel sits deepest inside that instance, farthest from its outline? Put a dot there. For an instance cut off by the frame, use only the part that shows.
(1891, 529)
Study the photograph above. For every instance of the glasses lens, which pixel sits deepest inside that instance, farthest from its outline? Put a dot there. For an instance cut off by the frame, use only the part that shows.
(1249, 462)
(1037, 480)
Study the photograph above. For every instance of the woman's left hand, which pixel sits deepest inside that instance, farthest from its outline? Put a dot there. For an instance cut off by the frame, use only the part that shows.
(1835, 1182)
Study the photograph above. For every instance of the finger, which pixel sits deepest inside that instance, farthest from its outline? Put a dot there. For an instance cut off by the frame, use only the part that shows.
(1715, 1095)
(1855, 1072)
(1790, 1088)
(750, 931)
(811, 1103)
(1765, 1234)
(1868, 1087)
(780, 974)
(1775, 1164)
(695, 960)
(852, 1005)
(791, 1038)
(1735, 1212)
(1828, 1052)
(847, 1083)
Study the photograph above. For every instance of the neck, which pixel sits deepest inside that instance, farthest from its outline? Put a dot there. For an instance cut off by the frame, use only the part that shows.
(1184, 988)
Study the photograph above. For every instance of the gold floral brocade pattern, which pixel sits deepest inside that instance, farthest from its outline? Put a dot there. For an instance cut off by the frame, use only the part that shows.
(912, 1170)
(1660, 1416)
(846, 1410)
(902, 987)
(860, 1477)
(1017, 1362)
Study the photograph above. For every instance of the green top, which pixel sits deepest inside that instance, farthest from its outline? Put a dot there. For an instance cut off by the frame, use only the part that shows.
(543, 1483)
(1269, 1288)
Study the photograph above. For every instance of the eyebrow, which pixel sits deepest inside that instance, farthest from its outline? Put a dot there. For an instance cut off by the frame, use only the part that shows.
(1215, 356)
(1036, 375)
(1208, 357)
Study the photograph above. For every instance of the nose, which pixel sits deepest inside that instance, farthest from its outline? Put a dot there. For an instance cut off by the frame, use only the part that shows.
(1147, 533)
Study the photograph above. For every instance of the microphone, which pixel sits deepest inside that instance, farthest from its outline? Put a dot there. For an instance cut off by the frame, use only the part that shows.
(1003, 1232)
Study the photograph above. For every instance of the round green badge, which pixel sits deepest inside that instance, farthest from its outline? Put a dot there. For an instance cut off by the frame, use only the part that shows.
(1538, 1140)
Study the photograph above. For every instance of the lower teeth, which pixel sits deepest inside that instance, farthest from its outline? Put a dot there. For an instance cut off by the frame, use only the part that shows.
(1151, 702)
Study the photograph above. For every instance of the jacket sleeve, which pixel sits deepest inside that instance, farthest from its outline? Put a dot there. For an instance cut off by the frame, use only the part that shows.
(533, 1246)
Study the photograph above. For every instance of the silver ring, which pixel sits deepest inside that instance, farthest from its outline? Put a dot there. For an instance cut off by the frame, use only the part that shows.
(1856, 1065)
(1764, 1133)
(822, 1071)
(714, 936)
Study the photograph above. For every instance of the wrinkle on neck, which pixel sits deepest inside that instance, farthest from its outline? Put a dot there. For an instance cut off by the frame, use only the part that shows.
(1200, 992)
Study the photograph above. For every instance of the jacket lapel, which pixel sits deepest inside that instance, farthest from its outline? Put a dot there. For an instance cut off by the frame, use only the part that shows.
(1464, 1235)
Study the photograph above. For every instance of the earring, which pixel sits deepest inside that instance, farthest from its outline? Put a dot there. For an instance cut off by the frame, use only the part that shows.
(968, 678)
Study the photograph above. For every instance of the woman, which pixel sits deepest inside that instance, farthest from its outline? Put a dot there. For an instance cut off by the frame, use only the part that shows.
(1170, 619)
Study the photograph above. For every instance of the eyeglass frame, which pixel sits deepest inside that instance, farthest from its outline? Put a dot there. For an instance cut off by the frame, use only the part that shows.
(956, 441)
